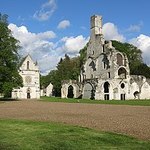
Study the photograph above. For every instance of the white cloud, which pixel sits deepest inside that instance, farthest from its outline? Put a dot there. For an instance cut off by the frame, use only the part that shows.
(47, 9)
(63, 24)
(36, 44)
(72, 45)
(143, 43)
(40, 47)
(110, 32)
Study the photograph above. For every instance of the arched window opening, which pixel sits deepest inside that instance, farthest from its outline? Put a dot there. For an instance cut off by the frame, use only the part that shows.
(93, 66)
(70, 92)
(122, 85)
(28, 65)
(119, 59)
(106, 87)
(105, 61)
(106, 91)
(122, 73)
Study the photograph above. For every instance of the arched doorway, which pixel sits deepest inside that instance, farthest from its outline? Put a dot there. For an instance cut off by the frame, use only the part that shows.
(106, 91)
(28, 93)
(70, 92)
(88, 91)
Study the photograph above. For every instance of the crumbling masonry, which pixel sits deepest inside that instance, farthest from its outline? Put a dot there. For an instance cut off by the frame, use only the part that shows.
(106, 73)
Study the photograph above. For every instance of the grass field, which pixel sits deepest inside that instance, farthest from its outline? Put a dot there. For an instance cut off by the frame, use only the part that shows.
(29, 135)
(115, 102)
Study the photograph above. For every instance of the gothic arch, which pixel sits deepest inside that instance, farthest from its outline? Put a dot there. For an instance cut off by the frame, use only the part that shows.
(122, 73)
(70, 91)
(89, 90)
(106, 87)
(119, 59)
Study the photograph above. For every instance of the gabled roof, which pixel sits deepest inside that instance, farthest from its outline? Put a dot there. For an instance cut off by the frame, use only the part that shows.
(23, 59)
(28, 57)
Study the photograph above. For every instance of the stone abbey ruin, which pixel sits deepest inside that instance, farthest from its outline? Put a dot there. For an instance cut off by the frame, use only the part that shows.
(106, 73)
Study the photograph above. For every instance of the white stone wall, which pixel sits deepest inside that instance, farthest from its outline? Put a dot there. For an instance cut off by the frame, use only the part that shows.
(64, 89)
(145, 91)
(49, 90)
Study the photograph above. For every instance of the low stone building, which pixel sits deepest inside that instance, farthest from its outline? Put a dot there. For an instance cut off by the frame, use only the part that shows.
(48, 91)
(29, 71)
(106, 73)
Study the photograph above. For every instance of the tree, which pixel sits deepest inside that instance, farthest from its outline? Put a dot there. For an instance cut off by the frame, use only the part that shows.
(83, 53)
(9, 59)
(67, 68)
(142, 69)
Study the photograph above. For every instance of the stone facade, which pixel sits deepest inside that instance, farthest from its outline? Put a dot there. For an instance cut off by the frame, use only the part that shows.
(70, 89)
(29, 72)
(106, 73)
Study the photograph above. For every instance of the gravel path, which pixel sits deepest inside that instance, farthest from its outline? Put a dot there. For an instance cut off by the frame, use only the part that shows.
(131, 120)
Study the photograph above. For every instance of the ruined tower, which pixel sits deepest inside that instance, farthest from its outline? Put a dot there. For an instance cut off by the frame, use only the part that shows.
(95, 45)
(96, 25)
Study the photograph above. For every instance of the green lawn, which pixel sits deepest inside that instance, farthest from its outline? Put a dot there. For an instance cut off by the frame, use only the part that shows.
(29, 135)
(115, 102)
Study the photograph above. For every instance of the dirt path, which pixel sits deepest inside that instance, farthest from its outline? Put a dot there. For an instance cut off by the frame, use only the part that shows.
(131, 120)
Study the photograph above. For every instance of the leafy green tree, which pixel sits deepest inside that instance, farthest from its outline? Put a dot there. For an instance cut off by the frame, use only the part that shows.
(83, 53)
(9, 59)
(142, 69)
(67, 68)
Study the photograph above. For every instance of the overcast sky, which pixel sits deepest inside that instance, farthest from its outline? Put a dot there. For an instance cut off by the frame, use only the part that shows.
(47, 29)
